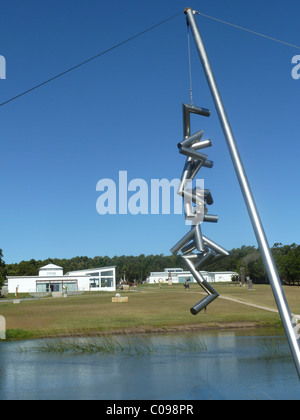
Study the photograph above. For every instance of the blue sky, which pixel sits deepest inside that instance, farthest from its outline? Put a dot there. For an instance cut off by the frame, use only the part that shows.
(122, 112)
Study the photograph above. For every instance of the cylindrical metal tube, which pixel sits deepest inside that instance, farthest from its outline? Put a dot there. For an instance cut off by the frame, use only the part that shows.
(208, 197)
(196, 166)
(191, 109)
(189, 248)
(211, 218)
(217, 248)
(208, 164)
(219, 257)
(203, 193)
(205, 259)
(191, 256)
(193, 154)
(190, 170)
(201, 145)
(203, 304)
(199, 278)
(188, 210)
(191, 197)
(199, 239)
(186, 175)
(267, 257)
(183, 242)
(188, 141)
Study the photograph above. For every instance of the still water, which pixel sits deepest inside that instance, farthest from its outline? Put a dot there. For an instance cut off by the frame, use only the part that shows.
(226, 366)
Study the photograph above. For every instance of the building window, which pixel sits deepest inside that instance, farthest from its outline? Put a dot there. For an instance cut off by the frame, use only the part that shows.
(56, 287)
(48, 287)
(42, 287)
(94, 282)
(106, 282)
(107, 278)
(109, 273)
(71, 287)
(183, 279)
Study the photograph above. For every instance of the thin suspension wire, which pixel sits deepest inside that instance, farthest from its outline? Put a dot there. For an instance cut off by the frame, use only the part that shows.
(190, 64)
(248, 30)
(136, 36)
(90, 59)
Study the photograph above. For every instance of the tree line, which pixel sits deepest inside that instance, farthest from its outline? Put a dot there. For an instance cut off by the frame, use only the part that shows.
(138, 268)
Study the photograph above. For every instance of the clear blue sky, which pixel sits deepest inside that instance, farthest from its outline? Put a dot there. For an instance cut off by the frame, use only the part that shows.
(123, 112)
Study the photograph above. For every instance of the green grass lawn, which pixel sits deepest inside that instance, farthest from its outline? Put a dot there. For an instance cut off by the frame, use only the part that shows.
(148, 309)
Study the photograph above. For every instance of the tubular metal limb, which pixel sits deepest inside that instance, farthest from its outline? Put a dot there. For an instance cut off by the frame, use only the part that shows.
(196, 201)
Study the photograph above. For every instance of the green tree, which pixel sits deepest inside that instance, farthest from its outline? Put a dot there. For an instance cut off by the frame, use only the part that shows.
(2, 269)
(287, 258)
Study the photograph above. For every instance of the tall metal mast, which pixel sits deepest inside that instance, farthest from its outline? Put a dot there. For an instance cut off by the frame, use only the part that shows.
(268, 260)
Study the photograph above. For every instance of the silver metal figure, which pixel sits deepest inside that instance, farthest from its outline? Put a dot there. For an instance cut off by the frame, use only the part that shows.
(195, 206)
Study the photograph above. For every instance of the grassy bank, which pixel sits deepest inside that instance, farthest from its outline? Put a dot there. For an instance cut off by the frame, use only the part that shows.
(149, 309)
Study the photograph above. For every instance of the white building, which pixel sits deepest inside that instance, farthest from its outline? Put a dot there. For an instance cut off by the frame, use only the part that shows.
(52, 279)
(178, 275)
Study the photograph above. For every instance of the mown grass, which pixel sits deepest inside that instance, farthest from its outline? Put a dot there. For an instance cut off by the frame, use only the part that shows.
(150, 309)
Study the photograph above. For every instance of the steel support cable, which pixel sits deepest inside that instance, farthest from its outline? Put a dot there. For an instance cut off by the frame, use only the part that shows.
(190, 63)
(131, 39)
(247, 30)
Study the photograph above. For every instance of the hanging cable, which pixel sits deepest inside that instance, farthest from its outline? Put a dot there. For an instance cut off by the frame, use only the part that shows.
(136, 36)
(247, 30)
(91, 59)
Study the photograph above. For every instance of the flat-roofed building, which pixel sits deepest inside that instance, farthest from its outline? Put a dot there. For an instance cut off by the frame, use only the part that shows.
(178, 275)
(51, 279)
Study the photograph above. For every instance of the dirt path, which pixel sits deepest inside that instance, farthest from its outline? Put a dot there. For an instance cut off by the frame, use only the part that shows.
(264, 308)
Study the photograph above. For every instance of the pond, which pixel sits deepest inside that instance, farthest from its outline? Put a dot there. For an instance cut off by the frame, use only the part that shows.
(208, 366)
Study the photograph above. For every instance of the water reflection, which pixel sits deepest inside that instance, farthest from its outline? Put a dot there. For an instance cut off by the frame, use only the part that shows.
(229, 366)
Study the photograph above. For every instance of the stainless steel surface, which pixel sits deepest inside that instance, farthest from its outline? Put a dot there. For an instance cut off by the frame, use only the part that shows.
(212, 294)
(195, 206)
(188, 141)
(201, 145)
(215, 247)
(183, 242)
(205, 258)
(199, 239)
(203, 304)
(211, 218)
(187, 110)
(193, 154)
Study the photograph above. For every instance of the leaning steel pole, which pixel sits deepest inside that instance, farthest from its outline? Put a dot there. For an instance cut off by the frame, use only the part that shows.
(268, 260)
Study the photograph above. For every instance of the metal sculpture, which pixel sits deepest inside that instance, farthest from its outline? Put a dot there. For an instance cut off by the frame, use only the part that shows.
(284, 311)
(196, 201)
